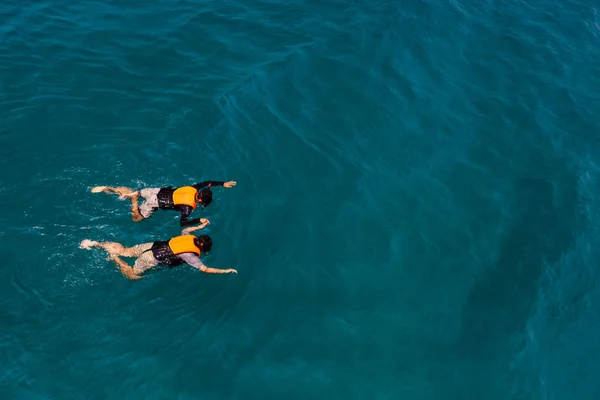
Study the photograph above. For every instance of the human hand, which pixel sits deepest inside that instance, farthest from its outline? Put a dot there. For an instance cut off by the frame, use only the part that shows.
(229, 184)
(204, 221)
(230, 271)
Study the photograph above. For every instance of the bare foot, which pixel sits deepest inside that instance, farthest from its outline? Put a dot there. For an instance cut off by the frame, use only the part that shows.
(87, 244)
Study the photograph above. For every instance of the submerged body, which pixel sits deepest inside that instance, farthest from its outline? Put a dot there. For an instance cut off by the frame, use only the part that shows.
(183, 199)
(184, 249)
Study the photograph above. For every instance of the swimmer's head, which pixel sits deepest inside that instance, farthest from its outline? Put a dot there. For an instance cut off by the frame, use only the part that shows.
(205, 197)
(204, 243)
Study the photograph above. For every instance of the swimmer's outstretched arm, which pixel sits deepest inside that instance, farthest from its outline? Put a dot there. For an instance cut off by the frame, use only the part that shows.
(202, 185)
(125, 269)
(194, 261)
(209, 270)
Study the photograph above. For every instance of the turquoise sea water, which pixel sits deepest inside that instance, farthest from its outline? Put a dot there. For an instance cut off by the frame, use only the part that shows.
(416, 215)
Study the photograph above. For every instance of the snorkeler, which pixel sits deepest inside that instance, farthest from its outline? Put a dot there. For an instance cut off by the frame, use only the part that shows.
(184, 249)
(183, 199)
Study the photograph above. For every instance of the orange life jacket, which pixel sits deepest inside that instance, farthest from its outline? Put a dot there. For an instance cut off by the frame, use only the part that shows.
(184, 244)
(185, 195)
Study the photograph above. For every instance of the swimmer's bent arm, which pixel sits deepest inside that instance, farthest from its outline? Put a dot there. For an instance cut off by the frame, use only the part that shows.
(194, 260)
(185, 214)
(188, 231)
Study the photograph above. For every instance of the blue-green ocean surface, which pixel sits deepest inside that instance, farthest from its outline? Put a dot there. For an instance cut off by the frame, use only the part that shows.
(416, 214)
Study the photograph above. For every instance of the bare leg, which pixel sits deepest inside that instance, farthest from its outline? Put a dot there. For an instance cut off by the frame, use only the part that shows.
(122, 191)
(112, 248)
(135, 209)
(125, 269)
(115, 250)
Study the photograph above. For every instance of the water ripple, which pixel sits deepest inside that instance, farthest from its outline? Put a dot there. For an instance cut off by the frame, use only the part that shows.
(396, 167)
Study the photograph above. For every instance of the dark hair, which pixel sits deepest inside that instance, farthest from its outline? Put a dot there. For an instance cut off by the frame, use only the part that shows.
(204, 242)
(205, 196)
